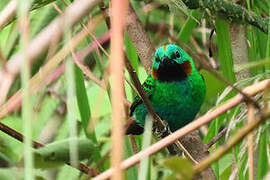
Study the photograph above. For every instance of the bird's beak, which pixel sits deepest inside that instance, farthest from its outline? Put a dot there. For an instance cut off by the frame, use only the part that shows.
(165, 60)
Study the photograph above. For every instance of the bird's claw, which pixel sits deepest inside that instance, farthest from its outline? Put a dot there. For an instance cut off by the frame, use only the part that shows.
(161, 133)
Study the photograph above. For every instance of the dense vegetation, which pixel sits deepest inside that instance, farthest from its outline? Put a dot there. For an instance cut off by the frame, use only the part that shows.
(59, 102)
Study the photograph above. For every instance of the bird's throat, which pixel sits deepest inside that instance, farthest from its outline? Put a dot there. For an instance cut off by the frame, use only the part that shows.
(172, 72)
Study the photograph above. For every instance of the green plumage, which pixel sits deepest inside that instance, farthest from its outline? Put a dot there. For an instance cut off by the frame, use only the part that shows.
(175, 89)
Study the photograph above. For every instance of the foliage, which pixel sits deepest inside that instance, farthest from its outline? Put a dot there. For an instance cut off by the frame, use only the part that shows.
(186, 23)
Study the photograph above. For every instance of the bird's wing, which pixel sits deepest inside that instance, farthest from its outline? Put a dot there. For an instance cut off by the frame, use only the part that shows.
(134, 128)
(148, 86)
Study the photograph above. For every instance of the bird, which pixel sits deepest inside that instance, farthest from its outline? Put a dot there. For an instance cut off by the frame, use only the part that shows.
(174, 87)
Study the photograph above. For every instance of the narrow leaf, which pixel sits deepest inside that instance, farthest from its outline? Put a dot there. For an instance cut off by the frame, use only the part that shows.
(225, 50)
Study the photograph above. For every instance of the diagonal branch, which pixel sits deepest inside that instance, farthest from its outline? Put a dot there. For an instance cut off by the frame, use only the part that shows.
(265, 114)
(216, 138)
(248, 99)
(44, 77)
(41, 42)
(251, 91)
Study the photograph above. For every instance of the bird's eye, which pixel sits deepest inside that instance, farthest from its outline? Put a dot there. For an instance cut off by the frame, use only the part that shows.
(177, 54)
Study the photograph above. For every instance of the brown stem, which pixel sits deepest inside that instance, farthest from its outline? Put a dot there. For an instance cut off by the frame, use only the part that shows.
(143, 95)
(140, 39)
(216, 138)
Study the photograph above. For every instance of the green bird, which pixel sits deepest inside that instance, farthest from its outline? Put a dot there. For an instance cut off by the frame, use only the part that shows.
(175, 88)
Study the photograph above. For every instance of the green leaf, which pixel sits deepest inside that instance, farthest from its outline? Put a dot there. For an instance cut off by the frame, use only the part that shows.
(181, 167)
(210, 79)
(225, 50)
(268, 40)
(147, 134)
(263, 163)
(131, 53)
(131, 173)
(188, 27)
(253, 64)
(57, 153)
(82, 101)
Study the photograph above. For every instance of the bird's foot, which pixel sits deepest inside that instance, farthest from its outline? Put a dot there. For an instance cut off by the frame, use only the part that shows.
(161, 133)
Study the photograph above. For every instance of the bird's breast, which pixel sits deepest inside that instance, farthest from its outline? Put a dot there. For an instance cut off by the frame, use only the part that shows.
(179, 102)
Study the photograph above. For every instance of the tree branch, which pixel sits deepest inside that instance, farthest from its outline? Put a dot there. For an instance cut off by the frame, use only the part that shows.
(230, 12)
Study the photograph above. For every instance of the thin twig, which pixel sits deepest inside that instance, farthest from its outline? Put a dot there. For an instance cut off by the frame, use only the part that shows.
(247, 98)
(160, 124)
(3, 61)
(241, 133)
(37, 80)
(102, 160)
(205, 64)
(41, 42)
(7, 13)
(251, 118)
(216, 138)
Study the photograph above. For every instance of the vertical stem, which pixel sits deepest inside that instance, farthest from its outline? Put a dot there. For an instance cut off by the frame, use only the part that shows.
(71, 112)
(268, 40)
(171, 28)
(146, 142)
(250, 142)
(22, 12)
(71, 104)
(118, 11)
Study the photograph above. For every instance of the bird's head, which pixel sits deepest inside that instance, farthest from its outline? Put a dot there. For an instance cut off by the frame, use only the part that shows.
(171, 63)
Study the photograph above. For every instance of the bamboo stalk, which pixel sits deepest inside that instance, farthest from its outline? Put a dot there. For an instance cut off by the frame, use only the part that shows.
(7, 13)
(250, 138)
(118, 9)
(27, 112)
